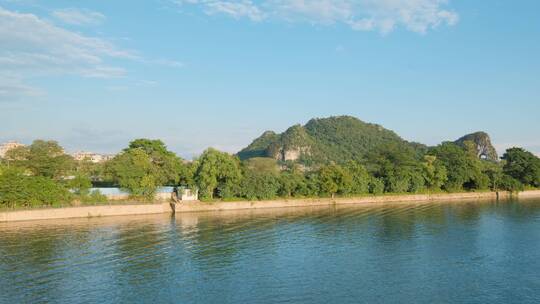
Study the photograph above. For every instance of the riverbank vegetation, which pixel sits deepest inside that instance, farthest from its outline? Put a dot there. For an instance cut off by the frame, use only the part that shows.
(42, 174)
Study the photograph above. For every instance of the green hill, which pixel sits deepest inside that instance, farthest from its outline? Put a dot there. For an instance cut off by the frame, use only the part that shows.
(323, 140)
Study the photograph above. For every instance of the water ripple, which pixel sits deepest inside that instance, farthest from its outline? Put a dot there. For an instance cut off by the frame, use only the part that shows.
(397, 253)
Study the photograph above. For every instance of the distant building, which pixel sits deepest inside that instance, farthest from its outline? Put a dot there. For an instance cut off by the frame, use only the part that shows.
(91, 156)
(162, 194)
(10, 145)
(186, 194)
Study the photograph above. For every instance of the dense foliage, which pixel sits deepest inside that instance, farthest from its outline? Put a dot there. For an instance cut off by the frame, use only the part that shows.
(522, 166)
(144, 166)
(339, 156)
(42, 174)
(41, 158)
(218, 175)
(335, 139)
(20, 190)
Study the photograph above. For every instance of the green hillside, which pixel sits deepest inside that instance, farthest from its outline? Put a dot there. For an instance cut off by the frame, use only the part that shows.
(322, 140)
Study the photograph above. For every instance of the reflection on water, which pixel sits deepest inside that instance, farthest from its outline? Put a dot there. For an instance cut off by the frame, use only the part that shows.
(402, 253)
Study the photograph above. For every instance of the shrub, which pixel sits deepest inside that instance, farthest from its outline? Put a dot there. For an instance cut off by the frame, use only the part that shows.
(17, 190)
(511, 184)
(94, 197)
(376, 186)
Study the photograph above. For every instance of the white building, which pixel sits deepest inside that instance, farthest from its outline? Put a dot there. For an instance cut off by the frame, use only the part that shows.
(10, 145)
(186, 194)
(91, 156)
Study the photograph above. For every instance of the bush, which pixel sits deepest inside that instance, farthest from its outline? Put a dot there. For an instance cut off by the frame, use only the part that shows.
(18, 190)
(94, 197)
(417, 182)
(511, 184)
(376, 186)
(80, 185)
(260, 186)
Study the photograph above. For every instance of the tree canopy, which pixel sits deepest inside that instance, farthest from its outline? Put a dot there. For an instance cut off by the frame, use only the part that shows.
(523, 166)
(134, 171)
(326, 157)
(218, 174)
(41, 158)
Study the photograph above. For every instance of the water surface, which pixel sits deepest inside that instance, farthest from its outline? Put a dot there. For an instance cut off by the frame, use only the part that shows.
(408, 253)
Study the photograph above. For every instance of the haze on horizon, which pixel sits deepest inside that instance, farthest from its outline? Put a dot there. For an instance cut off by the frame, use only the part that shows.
(95, 75)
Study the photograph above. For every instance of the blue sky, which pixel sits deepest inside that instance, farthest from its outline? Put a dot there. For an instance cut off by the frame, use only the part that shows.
(198, 73)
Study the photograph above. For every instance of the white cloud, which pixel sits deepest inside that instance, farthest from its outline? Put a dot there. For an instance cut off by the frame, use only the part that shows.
(32, 46)
(79, 16)
(362, 15)
(167, 63)
(236, 9)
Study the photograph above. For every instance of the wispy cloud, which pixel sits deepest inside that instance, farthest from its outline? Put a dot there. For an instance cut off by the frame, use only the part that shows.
(13, 89)
(235, 9)
(33, 47)
(361, 15)
(166, 63)
(79, 16)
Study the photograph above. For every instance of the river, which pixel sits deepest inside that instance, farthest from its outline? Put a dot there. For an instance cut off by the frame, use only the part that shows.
(466, 252)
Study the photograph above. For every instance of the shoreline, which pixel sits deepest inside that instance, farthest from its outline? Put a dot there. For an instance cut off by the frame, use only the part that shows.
(160, 208)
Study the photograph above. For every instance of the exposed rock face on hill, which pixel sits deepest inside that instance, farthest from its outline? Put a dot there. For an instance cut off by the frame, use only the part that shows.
(482, 143)
(323, 140)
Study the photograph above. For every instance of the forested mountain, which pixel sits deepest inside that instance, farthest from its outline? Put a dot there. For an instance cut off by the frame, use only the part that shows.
(322, 140)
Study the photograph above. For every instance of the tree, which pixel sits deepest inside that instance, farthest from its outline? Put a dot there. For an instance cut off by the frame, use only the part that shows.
(376, 186)
(41, 158)
(259, 185)
(464, 168)
(397, 167)
(167, 164)
(417, 182)
(20, 190)
(218, 174)
(80, 184)
(360, 177)
(94, 171)
(186, 176)
(511, 184)
(134, 171)
(334, 179)
(434, 172)
(494, 172)
(523, 166)
(292, 183)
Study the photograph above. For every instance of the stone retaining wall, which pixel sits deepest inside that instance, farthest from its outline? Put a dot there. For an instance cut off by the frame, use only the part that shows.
(139, 209)
(89, 211)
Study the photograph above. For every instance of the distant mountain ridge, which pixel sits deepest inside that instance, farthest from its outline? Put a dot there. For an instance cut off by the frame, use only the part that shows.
(340, 139)
(337, 139)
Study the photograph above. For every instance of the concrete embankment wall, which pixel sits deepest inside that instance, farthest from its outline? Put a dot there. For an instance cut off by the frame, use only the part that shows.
(78, 212)
(139, 209)
(531, 193)
(220, 206)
